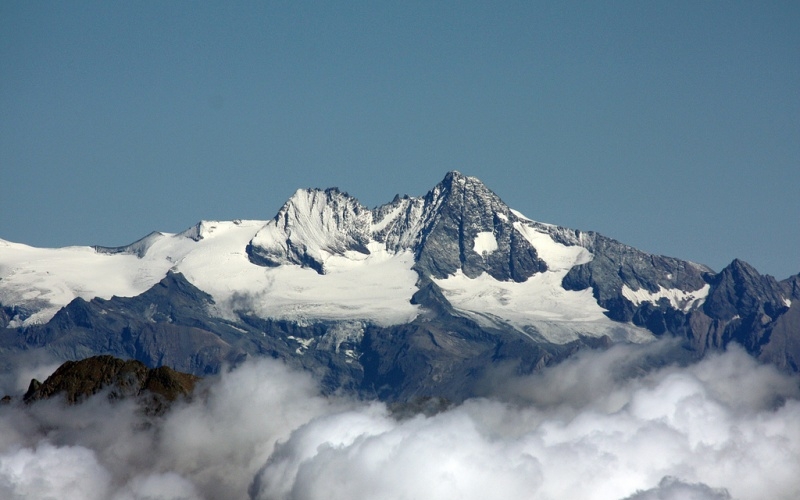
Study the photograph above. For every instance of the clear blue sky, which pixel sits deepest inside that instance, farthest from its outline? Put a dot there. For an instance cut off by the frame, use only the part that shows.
(670, 126)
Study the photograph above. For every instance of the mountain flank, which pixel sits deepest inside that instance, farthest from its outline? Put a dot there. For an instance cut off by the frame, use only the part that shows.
(415, 299)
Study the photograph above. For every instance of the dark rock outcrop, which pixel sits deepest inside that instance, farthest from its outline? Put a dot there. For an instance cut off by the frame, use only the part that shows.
(792, 286)
(739, 290)
(455, 212)
(167, 325)
(460, 225)
(616, 265)
(75, 381)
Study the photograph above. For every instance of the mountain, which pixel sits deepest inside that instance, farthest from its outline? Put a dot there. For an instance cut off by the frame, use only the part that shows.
(414, 298)
(76, 381)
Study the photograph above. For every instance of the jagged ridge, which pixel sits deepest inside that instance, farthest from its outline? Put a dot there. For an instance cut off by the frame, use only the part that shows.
(460, 234)
(441, 229)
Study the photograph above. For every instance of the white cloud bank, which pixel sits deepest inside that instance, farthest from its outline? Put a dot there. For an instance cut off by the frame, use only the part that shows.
(723, 428)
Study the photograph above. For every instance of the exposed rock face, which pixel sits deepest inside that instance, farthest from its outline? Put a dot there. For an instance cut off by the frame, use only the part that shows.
(753, 310)
(792, 286)
(441, 229)
(739, 290)
(76, 381)
(167, 325)
(616, 265)
(455, 214)
(460, 226)
(783, 342)
(5, 317)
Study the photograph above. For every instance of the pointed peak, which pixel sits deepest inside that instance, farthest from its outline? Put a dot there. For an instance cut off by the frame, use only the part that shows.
(455, 177)
(320, 193)
(452, 175)
(740, 266)
(315, 200)
(456, 183)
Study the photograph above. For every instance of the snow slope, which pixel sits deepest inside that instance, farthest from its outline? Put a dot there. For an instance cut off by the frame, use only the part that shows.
(373, 284)
(375, 287)
(324, 256)
(539, 307)
(40, 281)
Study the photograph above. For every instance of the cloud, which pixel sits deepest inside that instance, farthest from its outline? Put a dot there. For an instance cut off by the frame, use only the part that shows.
(215, 443)
(168, 486)
(594, 427)
(673, 489)
(47, 471)
(604, 438)
(17, 374)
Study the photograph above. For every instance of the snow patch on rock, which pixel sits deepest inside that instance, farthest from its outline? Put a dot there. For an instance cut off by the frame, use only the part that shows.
(539, 307)
(485, 243)
(679, 299)
(558, 256)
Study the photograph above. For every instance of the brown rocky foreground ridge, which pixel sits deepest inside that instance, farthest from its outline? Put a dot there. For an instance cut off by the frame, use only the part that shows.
(76, 381)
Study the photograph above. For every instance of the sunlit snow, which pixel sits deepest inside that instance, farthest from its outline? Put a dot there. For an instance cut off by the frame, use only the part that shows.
(679, 299)
(539, 307)
(557, 256)
(46, 279)
(376, 287)
(485, 243)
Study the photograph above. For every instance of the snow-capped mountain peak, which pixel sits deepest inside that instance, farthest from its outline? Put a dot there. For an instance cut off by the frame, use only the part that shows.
(460, 211)
(454, 276)
(311, 226)
(460, 224)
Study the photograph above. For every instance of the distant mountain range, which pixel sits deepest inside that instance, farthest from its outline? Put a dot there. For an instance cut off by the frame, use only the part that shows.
(415, 298)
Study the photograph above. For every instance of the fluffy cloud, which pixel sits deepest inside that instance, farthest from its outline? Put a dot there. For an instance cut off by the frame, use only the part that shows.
(725, 427)
(673, 489)
(49, 472)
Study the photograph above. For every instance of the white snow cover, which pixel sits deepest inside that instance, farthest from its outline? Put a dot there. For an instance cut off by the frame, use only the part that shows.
(539, 307)
(322, 223)
(375, 287)
(46, 279)
(679, 299)
(557, 256)
(485, 243)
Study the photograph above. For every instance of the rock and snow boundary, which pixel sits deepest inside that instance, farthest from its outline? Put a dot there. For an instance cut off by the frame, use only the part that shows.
(325, 257)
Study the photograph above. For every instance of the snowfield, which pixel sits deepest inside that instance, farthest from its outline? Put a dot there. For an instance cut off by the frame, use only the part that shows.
(43, 280)
(374, 287)
(679, 299)
(539, 307)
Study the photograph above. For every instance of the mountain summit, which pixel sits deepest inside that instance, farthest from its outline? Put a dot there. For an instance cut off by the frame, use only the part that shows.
(459, 225)
(401, 299)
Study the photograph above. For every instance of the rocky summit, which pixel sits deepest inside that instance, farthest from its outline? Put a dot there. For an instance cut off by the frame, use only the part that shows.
(76, 381)
(416, 298)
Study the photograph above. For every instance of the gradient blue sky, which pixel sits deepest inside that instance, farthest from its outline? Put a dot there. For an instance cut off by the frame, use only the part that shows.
(672, 126)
